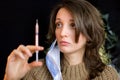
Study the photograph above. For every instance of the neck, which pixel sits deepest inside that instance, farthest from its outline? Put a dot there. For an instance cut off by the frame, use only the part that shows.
(74, 58)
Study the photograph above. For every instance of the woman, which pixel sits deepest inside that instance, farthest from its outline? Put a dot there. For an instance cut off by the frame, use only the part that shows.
(79, 31)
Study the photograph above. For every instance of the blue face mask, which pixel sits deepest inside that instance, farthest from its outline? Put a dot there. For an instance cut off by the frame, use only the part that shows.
(53, 61)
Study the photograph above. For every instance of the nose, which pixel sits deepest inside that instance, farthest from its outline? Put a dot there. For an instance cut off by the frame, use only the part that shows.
(64, 31)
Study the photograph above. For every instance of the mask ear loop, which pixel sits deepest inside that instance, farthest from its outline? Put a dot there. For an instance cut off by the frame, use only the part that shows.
(53, 61)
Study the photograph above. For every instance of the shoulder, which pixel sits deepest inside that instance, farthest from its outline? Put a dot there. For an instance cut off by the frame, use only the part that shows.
(37, 72)
(109, 73)
(40, 68)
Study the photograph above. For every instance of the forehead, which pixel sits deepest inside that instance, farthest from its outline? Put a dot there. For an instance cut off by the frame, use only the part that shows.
(64, 13)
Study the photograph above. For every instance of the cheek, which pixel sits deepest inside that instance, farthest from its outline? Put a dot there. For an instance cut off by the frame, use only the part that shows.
(82, 39)
(56, 33)
(72, 35)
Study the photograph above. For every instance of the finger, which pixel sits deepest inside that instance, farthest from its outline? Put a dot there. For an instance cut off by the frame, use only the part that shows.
(33, 48)
(35, 64)
(15, 54)
(25, 50)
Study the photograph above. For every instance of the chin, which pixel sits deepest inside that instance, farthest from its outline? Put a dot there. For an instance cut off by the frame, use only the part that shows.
(65, 50)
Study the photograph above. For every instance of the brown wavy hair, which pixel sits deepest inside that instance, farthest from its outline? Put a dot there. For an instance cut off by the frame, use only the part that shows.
(89, 22)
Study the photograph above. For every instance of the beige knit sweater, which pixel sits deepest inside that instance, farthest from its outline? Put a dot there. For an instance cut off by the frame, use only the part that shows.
(74, 72)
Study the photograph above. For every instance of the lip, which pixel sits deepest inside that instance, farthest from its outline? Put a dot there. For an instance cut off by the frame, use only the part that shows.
(64, 43)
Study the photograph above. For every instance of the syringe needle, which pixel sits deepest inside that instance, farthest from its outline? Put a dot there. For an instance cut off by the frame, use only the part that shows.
(37, 38)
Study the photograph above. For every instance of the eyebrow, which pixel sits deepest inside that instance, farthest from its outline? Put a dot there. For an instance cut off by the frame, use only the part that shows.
(60, 19)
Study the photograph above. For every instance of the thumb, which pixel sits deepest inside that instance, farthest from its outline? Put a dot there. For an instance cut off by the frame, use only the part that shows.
(35, 64)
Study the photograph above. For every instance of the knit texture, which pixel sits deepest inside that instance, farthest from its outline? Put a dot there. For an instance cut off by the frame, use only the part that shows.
(70, 72)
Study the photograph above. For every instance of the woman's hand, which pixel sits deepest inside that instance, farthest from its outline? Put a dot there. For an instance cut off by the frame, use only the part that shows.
(17, 63)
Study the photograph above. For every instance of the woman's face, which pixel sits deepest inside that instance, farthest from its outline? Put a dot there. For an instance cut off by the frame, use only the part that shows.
(65, 33)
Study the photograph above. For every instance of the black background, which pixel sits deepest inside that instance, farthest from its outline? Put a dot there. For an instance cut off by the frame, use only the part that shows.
(17, 23)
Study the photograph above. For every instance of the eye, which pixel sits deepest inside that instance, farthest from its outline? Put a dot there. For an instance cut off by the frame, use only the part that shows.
(58, 24)
(72, 25)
